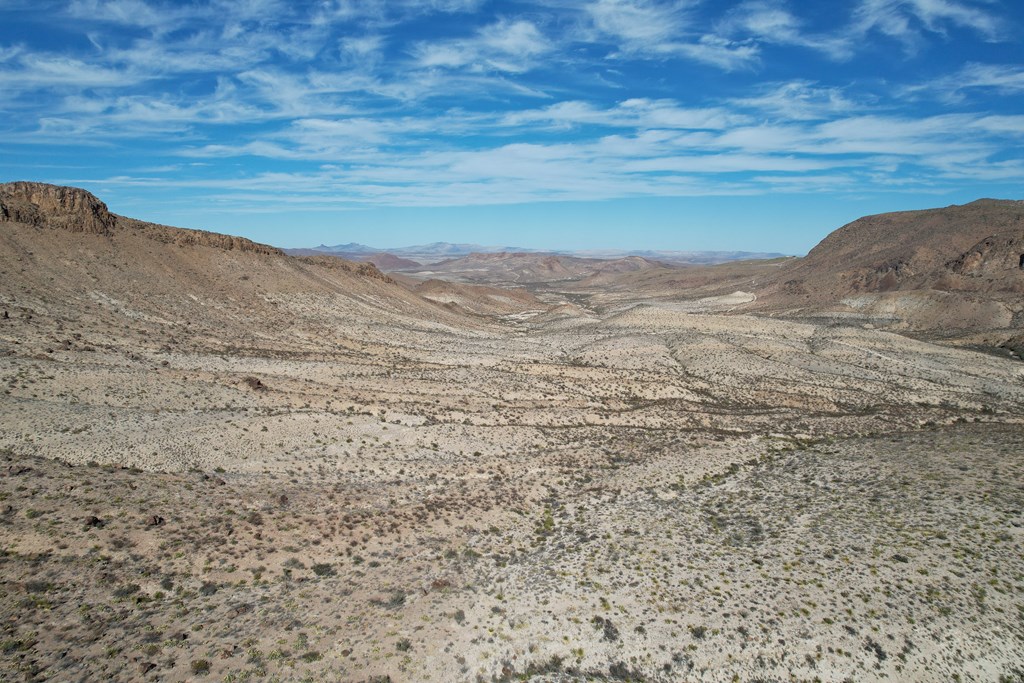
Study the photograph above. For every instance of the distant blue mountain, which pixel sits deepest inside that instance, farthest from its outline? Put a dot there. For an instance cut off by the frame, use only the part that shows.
(436, 251)
(350, 248)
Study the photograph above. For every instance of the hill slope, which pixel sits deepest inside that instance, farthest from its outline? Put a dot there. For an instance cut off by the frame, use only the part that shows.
(529, 268)
(952, 268)
(65, 260)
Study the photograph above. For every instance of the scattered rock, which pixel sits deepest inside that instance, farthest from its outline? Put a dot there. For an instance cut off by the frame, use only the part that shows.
(255, 384)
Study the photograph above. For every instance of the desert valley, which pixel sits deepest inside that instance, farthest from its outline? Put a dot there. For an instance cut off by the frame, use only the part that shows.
(224, 462)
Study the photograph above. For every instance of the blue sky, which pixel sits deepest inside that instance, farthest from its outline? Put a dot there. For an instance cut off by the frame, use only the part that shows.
(755, 125)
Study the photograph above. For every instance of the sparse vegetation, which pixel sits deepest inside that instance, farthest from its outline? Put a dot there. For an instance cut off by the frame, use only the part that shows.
(330, 478)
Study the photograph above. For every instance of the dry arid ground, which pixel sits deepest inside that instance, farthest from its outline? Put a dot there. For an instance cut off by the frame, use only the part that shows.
(221, 463)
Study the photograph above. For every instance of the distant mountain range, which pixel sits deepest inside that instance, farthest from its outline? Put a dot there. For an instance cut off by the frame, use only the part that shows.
(950, 270)
(435, 249)
(434, 252)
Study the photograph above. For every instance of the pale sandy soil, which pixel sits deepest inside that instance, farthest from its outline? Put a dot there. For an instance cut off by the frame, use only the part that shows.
(349, 489)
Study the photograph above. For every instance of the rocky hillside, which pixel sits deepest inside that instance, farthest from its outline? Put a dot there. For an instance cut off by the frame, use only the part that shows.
(958, 267)
(75, 210)
(479, 299)
(530, 268)
(67, 262)
(382, 259)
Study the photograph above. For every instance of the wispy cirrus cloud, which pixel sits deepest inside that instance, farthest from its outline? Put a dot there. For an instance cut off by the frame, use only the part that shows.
(626, 155)
(772, 21)
(33, 71)
(799, 101)
(663, 30)
(639, 25)
(638, 113)
(513, 46)
(435, 102)
(909, 20)
(1004, 79)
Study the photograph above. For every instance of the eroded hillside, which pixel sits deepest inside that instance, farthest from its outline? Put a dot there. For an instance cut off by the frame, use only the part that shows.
(226, 463)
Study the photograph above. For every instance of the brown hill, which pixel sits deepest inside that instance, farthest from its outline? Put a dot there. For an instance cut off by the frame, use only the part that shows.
(386, 261)
(382, 259)
(75, 210)
(68, 264)
(953, 268)
(530, 268)
(480, 299)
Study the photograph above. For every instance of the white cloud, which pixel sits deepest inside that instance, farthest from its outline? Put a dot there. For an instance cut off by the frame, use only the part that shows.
(798, 156)
(30, 71)
(663, 30)
(637, 24)
(631, 113)
(361, 47)
(716, 51)
(1004, 79)
(726, 163)
(907, 20)
(334, 86)
(799, 101)
(772, 22)
(129, 12)
(507, 46)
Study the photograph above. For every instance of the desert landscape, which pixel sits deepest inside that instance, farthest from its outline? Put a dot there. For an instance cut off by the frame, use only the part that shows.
(222, 462)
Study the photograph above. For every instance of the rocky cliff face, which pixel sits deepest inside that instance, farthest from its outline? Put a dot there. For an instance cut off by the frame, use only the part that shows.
(53, 206)
(76, 210)
(993, 256)
(184, 237)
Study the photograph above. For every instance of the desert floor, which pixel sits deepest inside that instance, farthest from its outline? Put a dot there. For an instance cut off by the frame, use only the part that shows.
(654, 492)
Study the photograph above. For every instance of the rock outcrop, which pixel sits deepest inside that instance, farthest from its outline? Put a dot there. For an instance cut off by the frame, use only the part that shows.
(947, 269)
(363, 269)
(77, 210)
(993, 256)
(184, 237)
(54, 206)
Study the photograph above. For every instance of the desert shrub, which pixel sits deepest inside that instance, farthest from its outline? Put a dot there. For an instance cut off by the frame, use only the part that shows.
(323, 569)
(126, 590)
